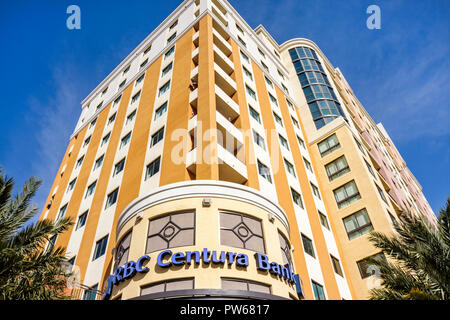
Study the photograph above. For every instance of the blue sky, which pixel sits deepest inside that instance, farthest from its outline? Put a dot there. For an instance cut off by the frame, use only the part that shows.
(400, 73)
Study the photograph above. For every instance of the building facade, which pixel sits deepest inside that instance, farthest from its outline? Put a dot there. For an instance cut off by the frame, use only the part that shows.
(214, 162)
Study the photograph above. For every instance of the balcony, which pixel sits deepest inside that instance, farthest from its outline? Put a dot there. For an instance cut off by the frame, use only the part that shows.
(224, 81)
(219, 12)
(194, 74)
(230, 168)
(195, 38)
(222, 60)
(221, 43)
(227, 128)
(195, 56)
(225, 105)
(193, 98)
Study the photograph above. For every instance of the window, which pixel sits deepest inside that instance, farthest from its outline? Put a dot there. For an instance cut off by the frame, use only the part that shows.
(171, 231)
(295, 122)
(244, 285)
(100, 247)
(98, 162)
(122, 251)
(105, 139)
(278, 119)
(285, 89)
(285, 250)
(359, 146)
(308, 245)
(126, 70)
(125, 140)
(264, 171)
(79, 162)
(261, 53)
(357, 224)
(131, 117)
(269, 83)
(301, 142)
(170, 285)
(273, 100)
(173, 25)
(157, 137)
(91, 293)
(247, 73)
(308, 165)
(244, 56)
(143, 64)
(241, 231)
(147, 50)
(169, 53)
(297, 198)
(239, 29)
(319, 294)
(116, 102)
(336, 265)
(119, 167)
(279, 72)
(171, 38)
(62, 212)
(259, 140)
(139, 80)
(93, 123)
(250, 92)
(283, 141)
(364, 265)
(99, 105)
(136, 97)
(315, 190)
(90, 189)
(337, 168)
(289, 167)
(81, 220)
(86, 142)
(381, 193)
(161, 110)
(164, 88)
(328, 145)
(71, 185)
(111, 119)
(167, 69)
(153, 168)
(254, 114)
(122, 84)
(323, 220)
(346, 194)
(264, 66)
(242, 42)
(112, 198)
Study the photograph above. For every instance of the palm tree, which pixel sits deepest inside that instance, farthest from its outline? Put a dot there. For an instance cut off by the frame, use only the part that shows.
(420, 259)
(30, 266)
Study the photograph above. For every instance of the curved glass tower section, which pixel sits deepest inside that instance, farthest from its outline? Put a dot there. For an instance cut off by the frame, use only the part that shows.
(322, 101)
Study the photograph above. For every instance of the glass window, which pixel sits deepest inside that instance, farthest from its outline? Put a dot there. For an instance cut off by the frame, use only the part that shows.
(82, 220)
(62, 212)
(157, 137)
(245, 285)
(169, 53)
(164, 88)
(269, 83)
(337, 168)
(295, 122)
(117, 101)
(315, 190)
(79, 162)
(297, 198)
(357, 224)
(336, 265)
(153, 168)
(125, 140)
(167, 69)
(122, 84)
(170, 285)
(250, 92)
(90, 189)
(122, 251)
(289, 167)
(259, 140)
(131, 117)
(136, 97)
(381, 193)
(324, 220)
(247, 73)
(301, 142)
(111, 119)
(273, 100)
(86, 142)
(112, 198)
(173, 25)
(161, 110)
(283, 141)
(254, 114)
(105, 139)
(319, 294)
(91, 293)
(308, 245)
(143, 64)
(93, 123)
(119, 167)
(328, 145)
(244, 56)
(285, 250)
(278, 119)
(172, 37)
(100, 247)
(308, 165)
(171, 231)
(346, 194)
(71, 185)
(364, 266)
(99, 162)
(139, 80)
(242, 42)
(264, 171)
(241, 231)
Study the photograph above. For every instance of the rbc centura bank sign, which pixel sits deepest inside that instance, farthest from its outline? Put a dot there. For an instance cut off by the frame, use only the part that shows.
(167, 258)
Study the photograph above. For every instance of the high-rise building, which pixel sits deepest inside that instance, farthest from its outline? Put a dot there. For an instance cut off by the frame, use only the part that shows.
(214, 162)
